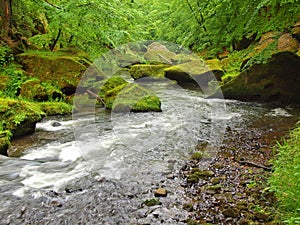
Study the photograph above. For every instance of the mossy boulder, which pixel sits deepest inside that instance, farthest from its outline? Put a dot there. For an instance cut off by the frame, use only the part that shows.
(63, 70)
(35, 90)
(146, 70)
(276, 80)
(158, 53)
(55, 108)
(19, 117)
(121, 96)
(198, 72)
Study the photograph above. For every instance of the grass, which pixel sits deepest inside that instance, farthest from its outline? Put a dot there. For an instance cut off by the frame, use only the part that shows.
(285, 180)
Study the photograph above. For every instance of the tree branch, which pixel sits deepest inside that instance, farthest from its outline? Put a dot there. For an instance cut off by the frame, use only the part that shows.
(50, 3)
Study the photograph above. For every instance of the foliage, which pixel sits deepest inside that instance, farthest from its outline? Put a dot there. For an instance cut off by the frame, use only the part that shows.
(214, 25)
(285, 180)
(95, 26)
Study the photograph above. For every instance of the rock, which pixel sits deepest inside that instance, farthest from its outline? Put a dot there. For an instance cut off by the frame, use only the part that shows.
(160, 192)
(20, 117)
(287, 43)
(121, 96)
(183, 58)
(55, 124)
(231, 212)
(196, 72)
(4, 142)
(144, 70)
(65, 69)
(36, 91)
(152, 202)
(277, 80)
(158, 53)
(243, 221)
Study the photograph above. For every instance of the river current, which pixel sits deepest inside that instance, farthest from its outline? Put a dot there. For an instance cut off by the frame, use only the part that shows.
(99, 167)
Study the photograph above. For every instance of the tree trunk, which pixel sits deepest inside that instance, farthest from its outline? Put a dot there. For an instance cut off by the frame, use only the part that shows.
(6, 19)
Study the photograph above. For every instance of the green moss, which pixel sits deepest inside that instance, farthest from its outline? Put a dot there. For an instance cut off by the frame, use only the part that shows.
(153, 71)
(19, 117)
(55, 108)
(152, 202)
(197, 156)
(63, 70)
(119, 95)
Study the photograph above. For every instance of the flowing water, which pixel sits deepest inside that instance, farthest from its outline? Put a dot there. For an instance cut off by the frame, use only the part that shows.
(99, 167)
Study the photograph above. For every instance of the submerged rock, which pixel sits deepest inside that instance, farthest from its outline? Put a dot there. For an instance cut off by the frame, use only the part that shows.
(121, 96)
(277, 80)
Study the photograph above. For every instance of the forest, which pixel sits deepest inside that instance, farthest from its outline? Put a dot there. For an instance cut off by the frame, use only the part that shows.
(57, 58)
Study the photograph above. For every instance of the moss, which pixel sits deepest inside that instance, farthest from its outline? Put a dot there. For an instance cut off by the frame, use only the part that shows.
(197, 70)
(152, 202)
(197, 156)
(153, 71)
(33, 90)
(119, 95)
(63, 70)
(19, 117)
(55, 108)
(3, 82)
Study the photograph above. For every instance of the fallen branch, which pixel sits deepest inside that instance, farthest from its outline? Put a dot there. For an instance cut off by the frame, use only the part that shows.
(255, 165)
(169, 62)
(96, 96)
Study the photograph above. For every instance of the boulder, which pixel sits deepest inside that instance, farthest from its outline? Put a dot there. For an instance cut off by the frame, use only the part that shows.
(37, 91)
(146, 70)
(196, 72)
(276, 80)
(19, 117)
(4, 142)
(121, 96)
(64, 70)
(158, 53)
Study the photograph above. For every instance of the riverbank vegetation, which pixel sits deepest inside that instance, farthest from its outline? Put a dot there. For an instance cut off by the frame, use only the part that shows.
(46, 46)
(285, 181)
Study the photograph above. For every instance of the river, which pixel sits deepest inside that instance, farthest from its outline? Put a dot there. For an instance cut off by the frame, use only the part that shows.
(99, 167)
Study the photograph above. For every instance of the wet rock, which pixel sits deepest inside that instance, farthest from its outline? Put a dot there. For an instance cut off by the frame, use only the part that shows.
(160, 192)
(231, 212)
(55, 124)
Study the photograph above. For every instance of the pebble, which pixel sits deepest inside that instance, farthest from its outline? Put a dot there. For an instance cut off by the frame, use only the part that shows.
(160, 192)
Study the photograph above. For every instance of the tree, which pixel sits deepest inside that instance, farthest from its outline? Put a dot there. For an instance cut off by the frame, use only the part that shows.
(6, 19)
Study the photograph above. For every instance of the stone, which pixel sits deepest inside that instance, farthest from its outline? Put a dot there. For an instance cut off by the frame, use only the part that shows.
(121, 96)
(160, 192)
(145, 70)
(231, 212)
(60, 67)
(158, 53)
(277, 80)
(197, 72)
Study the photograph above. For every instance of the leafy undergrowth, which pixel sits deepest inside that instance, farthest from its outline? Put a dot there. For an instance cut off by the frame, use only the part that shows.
(285, 180)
